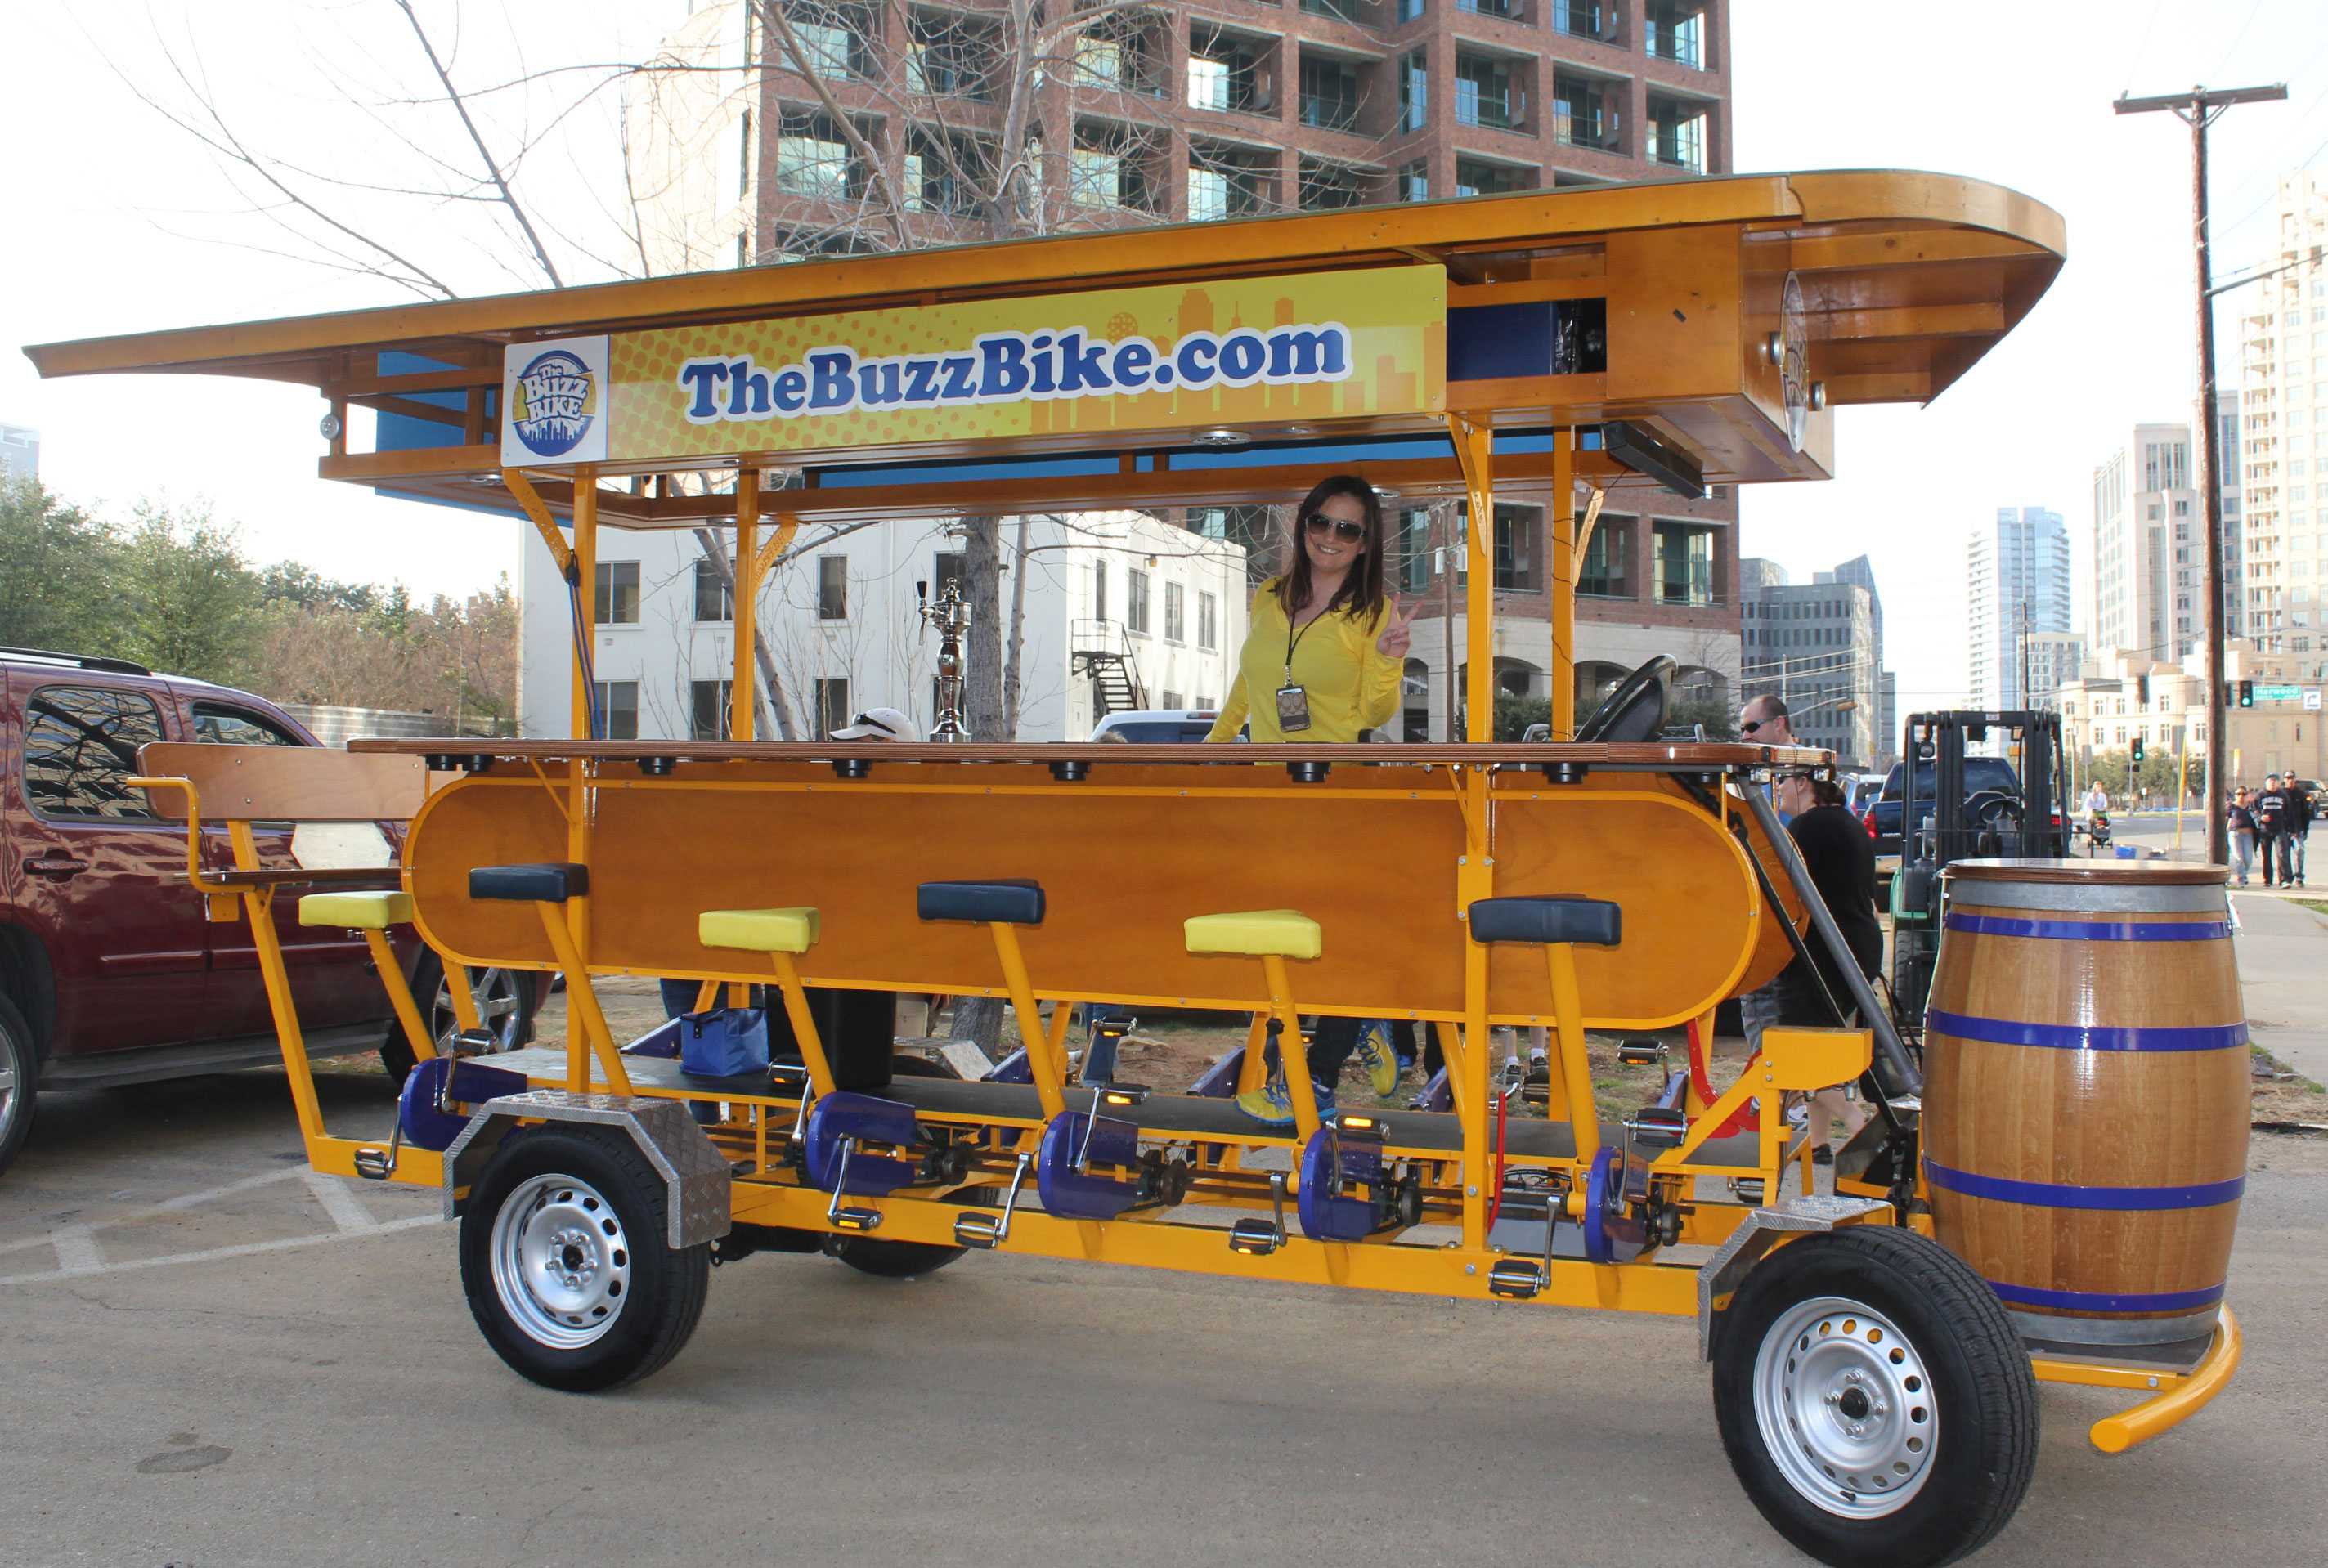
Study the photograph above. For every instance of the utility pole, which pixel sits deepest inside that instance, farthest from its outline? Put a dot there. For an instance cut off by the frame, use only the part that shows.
(2199, 109)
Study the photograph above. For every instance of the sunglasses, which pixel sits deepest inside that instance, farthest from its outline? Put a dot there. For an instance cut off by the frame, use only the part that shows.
(1758, 724)
(1319, 522)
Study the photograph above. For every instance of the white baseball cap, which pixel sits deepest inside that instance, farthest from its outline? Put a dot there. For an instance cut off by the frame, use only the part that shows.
(878, 724)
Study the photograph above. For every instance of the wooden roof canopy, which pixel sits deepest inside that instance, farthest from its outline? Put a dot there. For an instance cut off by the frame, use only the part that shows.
(1906, 279)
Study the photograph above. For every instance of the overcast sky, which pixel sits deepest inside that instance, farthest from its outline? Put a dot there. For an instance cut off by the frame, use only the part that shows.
(115, 226)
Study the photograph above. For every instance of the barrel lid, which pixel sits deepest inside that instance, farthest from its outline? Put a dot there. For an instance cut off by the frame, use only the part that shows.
(2109, 873)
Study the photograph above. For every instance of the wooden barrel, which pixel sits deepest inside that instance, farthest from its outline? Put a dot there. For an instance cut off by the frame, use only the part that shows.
(2086, 1096)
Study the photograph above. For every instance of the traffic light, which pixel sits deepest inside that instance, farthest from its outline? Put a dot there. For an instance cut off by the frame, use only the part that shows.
(2137, 749)
(2247, 694)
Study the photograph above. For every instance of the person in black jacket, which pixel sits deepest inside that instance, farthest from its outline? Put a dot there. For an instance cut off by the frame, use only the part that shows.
(2294, 824)
(1841, 860)
(2270, 807)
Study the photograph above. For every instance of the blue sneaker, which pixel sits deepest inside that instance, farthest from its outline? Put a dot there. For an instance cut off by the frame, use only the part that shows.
(1271, 1105)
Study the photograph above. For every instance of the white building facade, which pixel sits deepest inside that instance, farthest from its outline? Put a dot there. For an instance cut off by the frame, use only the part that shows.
(2282, 438)
(2150, 547)
(841, 622)
(2020, 585)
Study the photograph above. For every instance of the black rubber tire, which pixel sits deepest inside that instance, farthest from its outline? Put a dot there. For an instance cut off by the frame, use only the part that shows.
(667, 1288)
(428, 979)
(1983, 1396)
(20, 1059)
(905, 1260)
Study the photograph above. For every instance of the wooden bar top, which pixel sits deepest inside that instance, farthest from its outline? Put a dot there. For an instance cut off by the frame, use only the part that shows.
(1681, 756)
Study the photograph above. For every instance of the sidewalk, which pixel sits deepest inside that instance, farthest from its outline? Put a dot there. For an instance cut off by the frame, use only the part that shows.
(2283, 951)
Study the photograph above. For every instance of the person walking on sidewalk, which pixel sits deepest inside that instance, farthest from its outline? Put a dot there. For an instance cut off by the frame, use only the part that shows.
(2271, 821)
(2294, 824)
(2243, 834)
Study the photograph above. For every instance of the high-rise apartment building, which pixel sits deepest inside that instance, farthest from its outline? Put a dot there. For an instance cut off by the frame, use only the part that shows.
(2020, 585)
(1817, 645)
(2150, 547)
(2283, 435)
(1861, 571)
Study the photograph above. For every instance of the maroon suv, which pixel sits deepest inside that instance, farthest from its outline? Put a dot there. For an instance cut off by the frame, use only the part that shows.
(109, 972)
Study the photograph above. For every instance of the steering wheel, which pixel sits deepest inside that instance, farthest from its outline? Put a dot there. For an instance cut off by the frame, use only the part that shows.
(1991, 815)
(1635, 711)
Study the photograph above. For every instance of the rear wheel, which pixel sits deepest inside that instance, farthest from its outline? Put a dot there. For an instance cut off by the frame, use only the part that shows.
(20, 1077)
(1875, 1400)
(564, 1262)
(504, 998)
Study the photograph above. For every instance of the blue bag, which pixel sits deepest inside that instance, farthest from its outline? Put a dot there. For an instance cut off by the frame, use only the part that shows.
(724, 1043)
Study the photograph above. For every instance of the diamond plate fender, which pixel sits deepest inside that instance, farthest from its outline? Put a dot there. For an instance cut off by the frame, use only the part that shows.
(1726, 1271)
(694, 1172)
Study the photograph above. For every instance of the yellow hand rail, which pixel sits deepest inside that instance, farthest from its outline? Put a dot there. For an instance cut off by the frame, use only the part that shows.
(194, 828)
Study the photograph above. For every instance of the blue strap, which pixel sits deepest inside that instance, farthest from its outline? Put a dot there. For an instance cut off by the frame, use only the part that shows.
(2088, 1037)
(2092, 930)
(2106, 1302)
(2054, 1195)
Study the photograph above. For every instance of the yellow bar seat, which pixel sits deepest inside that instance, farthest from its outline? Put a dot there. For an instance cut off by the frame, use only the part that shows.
(356, 911)
(1272, 935)
(1261, 933)
(782, 935)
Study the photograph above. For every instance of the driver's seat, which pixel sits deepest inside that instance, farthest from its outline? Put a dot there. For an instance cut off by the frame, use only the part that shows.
(1635, 711)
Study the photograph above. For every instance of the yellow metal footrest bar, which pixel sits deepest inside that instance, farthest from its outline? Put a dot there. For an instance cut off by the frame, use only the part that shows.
(2180, 1396)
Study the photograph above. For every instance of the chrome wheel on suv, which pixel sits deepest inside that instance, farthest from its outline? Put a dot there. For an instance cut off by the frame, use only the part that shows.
(20, 1073)
(504, 1002)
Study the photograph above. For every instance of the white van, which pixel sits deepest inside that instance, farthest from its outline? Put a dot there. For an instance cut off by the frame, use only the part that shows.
(1156, 726)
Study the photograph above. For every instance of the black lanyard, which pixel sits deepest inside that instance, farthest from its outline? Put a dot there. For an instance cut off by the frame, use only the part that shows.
(1293, 637)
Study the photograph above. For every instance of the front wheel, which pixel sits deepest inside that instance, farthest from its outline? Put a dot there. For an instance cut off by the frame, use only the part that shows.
(1875, 1400)
(565, 1265)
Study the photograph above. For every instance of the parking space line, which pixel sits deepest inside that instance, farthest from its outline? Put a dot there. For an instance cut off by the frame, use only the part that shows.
(168, 1206)
(246, 1250)
(346, 1213)
(77, 1253)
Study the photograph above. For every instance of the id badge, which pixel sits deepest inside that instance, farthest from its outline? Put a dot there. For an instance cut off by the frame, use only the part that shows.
(1292, 709)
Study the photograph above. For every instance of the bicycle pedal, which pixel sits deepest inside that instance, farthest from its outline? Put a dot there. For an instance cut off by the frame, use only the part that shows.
(856, 1219)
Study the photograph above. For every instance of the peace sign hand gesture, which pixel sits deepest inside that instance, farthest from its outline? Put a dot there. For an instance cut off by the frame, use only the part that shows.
(1393, 642)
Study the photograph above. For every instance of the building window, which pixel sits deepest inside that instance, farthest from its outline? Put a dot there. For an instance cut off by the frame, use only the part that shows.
(812, 159)
(945, 174)
(1329, 93)
(1208, 627)
(1581, 116)
(618, 709)
(1414, 181)
(1490, 90)
(1684, 565)
(618, 594)
(833, 42)
(1175, 619)
(1414, 90)
(956, 55)
(1227, 181)
(1326, 186)
(715, 595)
(946, 571)
(832, 587)
(1678, 134)
(1677, 31)
(709, 703)
(1474, 177)
(1136, 610)
(1604, 575)
(831, 705)
(1170, 700)
(1519, 554)
(1226, 71)
(1099, 591)
(1413, 534)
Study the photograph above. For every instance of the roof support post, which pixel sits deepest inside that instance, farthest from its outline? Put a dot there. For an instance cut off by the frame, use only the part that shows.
(743, 700)
(586, 723)
(1565, 553)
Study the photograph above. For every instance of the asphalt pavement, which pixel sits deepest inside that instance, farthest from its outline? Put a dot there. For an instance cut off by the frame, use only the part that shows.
(217, 1359)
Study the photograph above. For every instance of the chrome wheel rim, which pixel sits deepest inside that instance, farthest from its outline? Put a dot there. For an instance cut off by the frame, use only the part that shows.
(1845, 1407)
(495, 993)
(561, 1263)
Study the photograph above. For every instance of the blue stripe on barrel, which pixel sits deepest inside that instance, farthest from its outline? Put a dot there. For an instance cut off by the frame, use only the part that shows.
(2092, 930)
(2106, 1302)
(2054, 1195)
(2088, 1037)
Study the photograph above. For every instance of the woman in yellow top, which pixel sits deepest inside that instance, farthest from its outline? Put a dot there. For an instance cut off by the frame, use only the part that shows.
(1323, 658)
(1322, 663)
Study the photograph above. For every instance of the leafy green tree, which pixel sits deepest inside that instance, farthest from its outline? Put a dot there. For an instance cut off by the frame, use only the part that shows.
(190, 601)
(57, 573)
(1720, 718)
(291, 583)
(1514, 714)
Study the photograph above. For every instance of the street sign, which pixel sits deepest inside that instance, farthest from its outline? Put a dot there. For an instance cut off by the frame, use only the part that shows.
(2312, 700)
(2278, 693)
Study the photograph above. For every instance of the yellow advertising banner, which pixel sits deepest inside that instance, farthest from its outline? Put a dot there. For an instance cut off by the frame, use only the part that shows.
(1179, 356)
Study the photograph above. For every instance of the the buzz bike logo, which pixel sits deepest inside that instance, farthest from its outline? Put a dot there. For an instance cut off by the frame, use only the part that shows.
(555, 401)
(1010, 366)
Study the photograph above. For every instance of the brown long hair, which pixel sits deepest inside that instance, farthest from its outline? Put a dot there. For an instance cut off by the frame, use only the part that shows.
(1361, 593)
